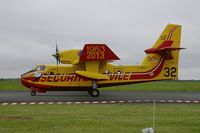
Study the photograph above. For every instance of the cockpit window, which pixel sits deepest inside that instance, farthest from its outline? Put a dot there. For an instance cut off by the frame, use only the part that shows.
(34, 68)
(42, 68)
(39, 68)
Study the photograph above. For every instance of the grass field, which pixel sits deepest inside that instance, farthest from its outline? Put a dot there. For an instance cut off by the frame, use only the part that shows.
(160, 86)
(11, 84)
(151, 86)
(109, 118)
(117, 118)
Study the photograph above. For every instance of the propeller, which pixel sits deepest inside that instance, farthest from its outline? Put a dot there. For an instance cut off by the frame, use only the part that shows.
(56, 55)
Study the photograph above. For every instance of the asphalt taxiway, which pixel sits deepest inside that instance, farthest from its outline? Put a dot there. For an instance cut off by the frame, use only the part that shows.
(105, 97)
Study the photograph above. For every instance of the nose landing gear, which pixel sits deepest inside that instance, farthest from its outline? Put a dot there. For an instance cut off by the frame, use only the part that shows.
(33, 93)
(34, 90)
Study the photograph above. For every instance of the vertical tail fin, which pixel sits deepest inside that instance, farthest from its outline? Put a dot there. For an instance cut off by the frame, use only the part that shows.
(167, 47)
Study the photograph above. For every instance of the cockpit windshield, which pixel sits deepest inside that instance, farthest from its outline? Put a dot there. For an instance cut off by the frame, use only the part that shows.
(39, 68)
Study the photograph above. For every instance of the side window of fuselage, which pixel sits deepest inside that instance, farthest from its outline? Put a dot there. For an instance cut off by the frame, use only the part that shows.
(118, 70)
(42, 68)
(52, 71)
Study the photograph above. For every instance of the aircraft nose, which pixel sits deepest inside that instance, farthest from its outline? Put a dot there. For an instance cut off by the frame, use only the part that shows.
(27, 79)
(27, 76)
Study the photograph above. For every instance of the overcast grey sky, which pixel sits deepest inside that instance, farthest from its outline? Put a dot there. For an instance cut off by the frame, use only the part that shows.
(29, 28)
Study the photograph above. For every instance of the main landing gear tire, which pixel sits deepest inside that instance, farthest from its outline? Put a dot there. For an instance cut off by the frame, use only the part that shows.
(94, 92)
(33, 93)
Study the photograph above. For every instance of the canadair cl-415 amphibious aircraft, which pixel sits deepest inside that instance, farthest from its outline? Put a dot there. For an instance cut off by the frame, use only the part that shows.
(90, 68)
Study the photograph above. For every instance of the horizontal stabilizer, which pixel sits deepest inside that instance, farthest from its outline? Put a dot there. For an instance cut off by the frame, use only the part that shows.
(164, 50)
(165, 46)
(92, 75)
(156, 50)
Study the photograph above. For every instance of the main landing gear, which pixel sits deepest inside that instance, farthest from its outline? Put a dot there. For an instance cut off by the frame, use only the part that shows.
(94, 92)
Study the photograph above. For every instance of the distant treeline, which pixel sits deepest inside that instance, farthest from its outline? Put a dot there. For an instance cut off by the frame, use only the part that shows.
(9, 79)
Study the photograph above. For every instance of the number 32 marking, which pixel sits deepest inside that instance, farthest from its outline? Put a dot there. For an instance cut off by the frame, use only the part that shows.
(170, 72)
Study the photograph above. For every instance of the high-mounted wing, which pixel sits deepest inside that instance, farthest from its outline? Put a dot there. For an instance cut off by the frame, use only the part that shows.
(97, 52)
(90, 57)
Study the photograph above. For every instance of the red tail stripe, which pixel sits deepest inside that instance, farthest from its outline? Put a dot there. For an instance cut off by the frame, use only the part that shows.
(171, 33)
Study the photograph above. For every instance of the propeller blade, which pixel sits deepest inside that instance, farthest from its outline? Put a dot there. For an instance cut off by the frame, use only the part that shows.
(57, 61)
(57, 47)
(56, 55)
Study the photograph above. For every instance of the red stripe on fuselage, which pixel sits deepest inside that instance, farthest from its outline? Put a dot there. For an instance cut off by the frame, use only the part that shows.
(149, 74)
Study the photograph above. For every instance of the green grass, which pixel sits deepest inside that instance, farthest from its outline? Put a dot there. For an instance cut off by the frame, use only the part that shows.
(117, 118)
(11, 84)
(160, 86)
(14, 84)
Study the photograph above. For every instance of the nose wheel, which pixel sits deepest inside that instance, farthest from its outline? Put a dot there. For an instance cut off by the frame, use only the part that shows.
(33, 93)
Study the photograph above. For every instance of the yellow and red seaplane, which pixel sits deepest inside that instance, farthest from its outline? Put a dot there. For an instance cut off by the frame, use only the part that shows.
(90, 68)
